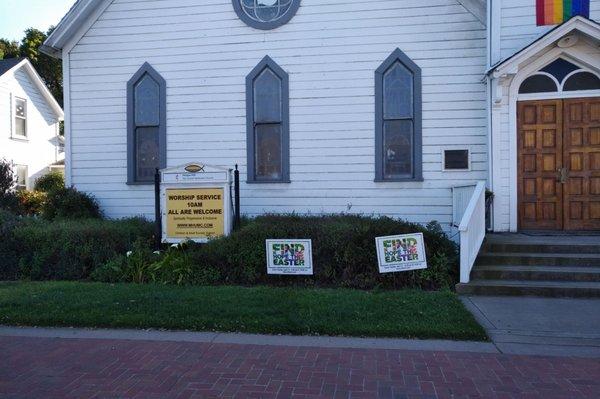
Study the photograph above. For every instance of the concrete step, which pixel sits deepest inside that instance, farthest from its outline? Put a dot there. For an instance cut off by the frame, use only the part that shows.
(548, 273)
(538, 259)
(555, 289)
(494, 246)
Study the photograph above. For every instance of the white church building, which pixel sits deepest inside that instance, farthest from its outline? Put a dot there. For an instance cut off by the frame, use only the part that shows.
(383, 107)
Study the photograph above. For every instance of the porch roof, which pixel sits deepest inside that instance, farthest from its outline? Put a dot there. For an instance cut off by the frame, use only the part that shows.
(578, 23)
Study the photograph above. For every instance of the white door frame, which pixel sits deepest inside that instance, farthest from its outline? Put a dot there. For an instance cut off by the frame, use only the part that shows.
(576, 55)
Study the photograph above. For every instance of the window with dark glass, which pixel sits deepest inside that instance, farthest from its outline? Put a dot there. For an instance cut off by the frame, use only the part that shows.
(538, 84)
(146, 125)
(20, 120)
(582, 81)
(569, 76)
(267, 123)
(398, 118)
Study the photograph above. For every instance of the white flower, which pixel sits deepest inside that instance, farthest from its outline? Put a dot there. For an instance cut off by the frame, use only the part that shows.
(174, 245)
(156, 252)
(129, 253)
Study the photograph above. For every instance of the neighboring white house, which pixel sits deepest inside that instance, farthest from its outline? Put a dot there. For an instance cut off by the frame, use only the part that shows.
(30, 117)
(377, 107)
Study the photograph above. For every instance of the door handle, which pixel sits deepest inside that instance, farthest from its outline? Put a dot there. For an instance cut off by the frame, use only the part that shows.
(563, 175)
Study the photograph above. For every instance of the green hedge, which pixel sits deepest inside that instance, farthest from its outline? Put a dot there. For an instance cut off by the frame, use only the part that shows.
(343, 252)
(36, 249)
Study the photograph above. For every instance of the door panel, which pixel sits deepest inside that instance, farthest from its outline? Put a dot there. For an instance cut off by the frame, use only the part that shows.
(540, 156)
(582, 159)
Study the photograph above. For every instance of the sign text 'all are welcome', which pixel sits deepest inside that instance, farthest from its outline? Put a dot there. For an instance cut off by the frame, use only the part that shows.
(195, 203)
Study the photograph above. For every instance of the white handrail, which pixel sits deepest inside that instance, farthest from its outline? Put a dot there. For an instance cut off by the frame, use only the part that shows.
(472, 231)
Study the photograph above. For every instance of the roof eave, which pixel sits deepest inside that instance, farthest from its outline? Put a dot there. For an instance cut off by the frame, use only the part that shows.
(579, 23)
(68, 26)
(37, 80)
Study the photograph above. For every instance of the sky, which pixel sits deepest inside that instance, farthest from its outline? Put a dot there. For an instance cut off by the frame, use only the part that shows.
(18, 15)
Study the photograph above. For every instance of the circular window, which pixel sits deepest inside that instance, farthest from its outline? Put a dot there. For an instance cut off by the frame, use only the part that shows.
(266, 14)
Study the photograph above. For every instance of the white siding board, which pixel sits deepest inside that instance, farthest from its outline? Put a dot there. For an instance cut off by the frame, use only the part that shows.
(330, 50)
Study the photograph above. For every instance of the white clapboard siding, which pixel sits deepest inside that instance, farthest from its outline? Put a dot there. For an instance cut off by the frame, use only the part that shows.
(330, 49)
(518, 24)
(40, 149)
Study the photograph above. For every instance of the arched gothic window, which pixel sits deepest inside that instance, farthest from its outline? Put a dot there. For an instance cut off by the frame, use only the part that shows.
(146, 125)
(398, 139)
(267, 114)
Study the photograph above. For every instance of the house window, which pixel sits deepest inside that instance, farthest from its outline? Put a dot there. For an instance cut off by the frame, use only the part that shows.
(21, 177)
(455, 160)
(267, 114)
(20, 120)
(398, 139)
(146, 121)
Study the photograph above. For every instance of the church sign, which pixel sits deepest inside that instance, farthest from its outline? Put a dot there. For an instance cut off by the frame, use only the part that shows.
(401, 253)
(195, 203)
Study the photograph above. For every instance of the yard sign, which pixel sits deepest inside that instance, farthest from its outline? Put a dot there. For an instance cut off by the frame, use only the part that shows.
(290, 257)
(401, 253)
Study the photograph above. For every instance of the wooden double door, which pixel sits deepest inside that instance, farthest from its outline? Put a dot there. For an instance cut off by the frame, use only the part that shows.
(559, 164)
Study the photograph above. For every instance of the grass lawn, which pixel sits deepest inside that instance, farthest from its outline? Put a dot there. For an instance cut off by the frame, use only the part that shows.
(300, 311)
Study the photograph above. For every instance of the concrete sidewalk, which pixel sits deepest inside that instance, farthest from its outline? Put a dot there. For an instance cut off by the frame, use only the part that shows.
(250, 339)
(540, 326)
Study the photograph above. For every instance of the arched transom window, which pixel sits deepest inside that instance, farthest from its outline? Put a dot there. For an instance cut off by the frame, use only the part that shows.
(560, 76)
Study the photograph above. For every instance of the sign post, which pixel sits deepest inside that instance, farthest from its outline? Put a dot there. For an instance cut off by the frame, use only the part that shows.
(195, 203)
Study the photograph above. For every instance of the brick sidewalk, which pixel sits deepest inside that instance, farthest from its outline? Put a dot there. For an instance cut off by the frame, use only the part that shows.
(86, 368)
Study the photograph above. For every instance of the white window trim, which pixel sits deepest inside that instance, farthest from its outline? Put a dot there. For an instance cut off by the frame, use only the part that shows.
(13, 108)
(469, 155)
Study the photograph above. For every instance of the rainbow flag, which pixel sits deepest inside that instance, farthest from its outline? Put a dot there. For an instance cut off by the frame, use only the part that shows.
(554, 12)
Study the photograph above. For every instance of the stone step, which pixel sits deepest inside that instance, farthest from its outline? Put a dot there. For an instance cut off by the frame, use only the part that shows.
(538, 259)
(548, 273)
(526, 247)
(555, 289)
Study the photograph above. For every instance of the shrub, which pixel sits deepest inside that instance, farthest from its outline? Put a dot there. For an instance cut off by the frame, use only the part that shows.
(7, 177)
(68, 203)
(31, 202)
(50, 182)
(37, 249)
(10, 202)
(134, 267)
(343, 252)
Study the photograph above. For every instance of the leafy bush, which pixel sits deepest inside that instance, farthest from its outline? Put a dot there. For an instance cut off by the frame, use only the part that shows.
(50, 182)
(68, 203)
(31, 202)
(344, 253)
(10, 202)
(134, 267)
(37, 249)
(7, 177)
